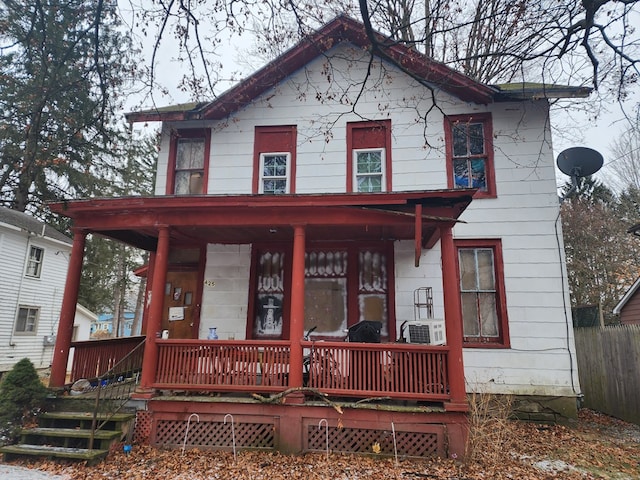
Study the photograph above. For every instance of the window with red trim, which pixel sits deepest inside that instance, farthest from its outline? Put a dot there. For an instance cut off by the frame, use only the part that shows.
(369, 156)
(189, 162)
(274, 168)
(482, 294)
(469, 148)
(344, 284)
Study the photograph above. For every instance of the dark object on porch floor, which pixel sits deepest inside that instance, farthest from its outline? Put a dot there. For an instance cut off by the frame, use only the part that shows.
(366, 331)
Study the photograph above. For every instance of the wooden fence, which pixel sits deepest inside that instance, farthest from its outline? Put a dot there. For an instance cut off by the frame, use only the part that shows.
(609, 369)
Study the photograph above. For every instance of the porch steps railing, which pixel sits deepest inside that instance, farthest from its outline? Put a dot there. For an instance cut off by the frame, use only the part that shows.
(115, 387)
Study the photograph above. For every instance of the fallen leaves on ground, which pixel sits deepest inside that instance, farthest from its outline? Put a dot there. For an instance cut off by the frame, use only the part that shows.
(594, 447)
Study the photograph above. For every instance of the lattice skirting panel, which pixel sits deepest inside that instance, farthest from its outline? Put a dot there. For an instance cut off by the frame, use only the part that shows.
(301, 428)
(346, 439)
(142, 430)
(214, 434)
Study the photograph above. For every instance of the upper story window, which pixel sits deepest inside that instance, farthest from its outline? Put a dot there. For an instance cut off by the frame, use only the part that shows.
(189, 162)
(470, 153)
(34, 263)
(274, 173)
(27, 321)
(369, 170)
(484, 311)
(275, 160)
(369, 156)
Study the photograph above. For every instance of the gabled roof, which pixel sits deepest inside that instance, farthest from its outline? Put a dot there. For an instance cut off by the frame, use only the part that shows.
(627, 296)
(31, 224)
(346, 29)
(341, 29)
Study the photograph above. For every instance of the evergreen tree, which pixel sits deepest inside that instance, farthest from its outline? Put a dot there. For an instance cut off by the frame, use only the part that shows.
(21, 392)
(62, 63)
(602, 258)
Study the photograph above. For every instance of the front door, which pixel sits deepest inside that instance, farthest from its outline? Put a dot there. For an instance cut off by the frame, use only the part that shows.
(180, 313)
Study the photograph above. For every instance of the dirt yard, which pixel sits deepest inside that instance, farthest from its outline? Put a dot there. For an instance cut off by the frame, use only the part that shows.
(594, 447)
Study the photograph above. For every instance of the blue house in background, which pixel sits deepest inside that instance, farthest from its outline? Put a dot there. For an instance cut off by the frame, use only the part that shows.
(105, 324)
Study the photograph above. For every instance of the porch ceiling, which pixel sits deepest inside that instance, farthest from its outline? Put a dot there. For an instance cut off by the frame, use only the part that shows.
(197, 220)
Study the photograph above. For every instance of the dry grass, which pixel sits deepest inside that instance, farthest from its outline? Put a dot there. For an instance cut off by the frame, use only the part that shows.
(490, 427)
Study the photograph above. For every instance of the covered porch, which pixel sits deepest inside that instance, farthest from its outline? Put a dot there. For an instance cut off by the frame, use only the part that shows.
(297, 371)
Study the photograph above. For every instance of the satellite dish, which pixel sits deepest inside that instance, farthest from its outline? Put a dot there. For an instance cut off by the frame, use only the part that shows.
(579, 162)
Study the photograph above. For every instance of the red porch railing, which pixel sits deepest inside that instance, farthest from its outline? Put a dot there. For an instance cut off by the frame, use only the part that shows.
(222, 366)
(92, 358)
(394, 370)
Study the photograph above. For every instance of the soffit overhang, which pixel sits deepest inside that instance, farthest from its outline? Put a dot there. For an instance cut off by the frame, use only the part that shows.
(242, 219)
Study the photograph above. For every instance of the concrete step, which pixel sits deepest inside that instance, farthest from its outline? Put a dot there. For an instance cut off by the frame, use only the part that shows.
(90, 456)
(69, 437)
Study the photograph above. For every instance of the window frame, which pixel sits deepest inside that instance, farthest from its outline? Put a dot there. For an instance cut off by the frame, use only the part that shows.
(352, 282)
(495, 245)
(32, 261)
(273, 139)
(357, 175)
(287, 176)
(25, 332)
(191, 133)
(486, 120)
(369, 135)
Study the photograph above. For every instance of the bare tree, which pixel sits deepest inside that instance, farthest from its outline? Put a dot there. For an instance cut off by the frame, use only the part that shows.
(625, 160)
(588, 42)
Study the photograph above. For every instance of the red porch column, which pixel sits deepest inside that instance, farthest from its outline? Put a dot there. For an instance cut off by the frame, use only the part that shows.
(68, 311)
(453, 321)
(296, 327)
(154, 320)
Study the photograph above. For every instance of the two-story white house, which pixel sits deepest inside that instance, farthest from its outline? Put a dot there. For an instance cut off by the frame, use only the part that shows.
(33, 269)
(336, 191)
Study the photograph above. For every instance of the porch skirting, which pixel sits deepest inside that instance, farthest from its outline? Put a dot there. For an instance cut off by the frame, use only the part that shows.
(294, 429)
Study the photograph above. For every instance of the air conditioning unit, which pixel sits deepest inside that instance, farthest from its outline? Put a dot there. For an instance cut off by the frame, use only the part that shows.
(430, 332)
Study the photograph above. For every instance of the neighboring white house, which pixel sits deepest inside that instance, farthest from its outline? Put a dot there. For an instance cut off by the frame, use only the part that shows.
(33, 268)
(82, 324)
